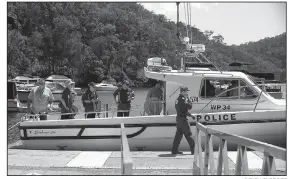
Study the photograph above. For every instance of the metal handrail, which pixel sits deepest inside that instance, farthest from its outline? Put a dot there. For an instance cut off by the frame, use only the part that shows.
(257, 101)
(76, 113)
(203, 74)
(126, 158)
(270, 153)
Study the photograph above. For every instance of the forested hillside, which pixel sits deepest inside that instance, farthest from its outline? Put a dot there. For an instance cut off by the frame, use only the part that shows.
(90, 41)
(268, 52)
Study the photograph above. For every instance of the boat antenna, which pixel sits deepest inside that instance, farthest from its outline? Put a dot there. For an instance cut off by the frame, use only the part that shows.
(190, 18)
(178, 34)
(185, 12)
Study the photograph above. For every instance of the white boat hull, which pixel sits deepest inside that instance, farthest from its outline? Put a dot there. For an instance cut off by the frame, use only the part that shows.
(154, 133)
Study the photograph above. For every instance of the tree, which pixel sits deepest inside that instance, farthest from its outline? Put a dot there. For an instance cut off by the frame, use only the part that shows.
(218, 38)
(89, 41)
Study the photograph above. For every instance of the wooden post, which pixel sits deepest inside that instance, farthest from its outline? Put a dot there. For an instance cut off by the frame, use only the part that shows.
(268, 167)
(211, 156)
(126, 158)
(241, 162)
(196, 153)
(238, 161)
(106, 110)
(220, 158)
(163, 108)
(206, 157)
(164, 98)
(245, 161)
(223, 158)
(200, 154)
(122, 157)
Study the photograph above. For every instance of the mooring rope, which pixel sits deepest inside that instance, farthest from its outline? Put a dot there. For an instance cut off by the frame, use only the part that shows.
(14, 126)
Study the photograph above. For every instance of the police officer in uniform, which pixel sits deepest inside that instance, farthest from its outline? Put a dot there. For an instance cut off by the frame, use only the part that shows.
(125, 95)
(182, 105)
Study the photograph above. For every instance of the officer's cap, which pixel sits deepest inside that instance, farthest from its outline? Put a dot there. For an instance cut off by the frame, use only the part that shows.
(183, 88)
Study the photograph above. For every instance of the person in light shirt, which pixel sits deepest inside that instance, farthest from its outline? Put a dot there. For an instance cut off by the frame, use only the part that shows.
(39, 99)
(154, 99)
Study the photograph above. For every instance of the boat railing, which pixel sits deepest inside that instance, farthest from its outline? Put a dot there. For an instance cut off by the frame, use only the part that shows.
(200, 167)
(126, 158)
(105, 114)
(222, 74)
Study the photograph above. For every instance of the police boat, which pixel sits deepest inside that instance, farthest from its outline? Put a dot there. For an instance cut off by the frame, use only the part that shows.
(224, 100)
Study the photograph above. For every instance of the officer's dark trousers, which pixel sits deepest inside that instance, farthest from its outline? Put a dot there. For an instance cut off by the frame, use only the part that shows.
(123, 110)
(183, 128)
(123, 114)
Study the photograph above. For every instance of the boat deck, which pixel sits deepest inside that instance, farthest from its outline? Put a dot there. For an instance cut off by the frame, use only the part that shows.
(51, 162)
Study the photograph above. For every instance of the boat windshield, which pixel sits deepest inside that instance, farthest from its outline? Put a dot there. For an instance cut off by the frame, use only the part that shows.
(255, 83)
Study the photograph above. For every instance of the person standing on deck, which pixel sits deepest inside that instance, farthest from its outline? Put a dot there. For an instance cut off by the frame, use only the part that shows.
(125, 95)
(40, 97)
(154, 99)
(91, 101)
(66, 101)
(182, 105)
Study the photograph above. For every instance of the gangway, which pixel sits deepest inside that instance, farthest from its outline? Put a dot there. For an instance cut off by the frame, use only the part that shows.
(270, 153)
(200, 164)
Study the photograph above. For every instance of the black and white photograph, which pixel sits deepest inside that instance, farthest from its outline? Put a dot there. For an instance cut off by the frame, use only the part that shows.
(148, 88)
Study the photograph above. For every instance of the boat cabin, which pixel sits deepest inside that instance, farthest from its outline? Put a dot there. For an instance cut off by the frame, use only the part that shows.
(215, 91)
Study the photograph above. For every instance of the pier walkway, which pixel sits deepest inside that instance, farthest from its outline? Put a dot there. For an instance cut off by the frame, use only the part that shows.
(48, 162)
(262, 160)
